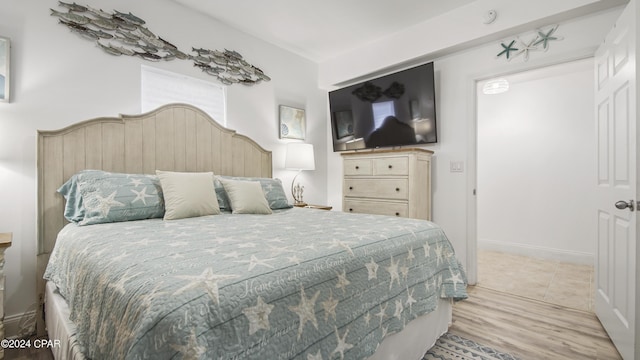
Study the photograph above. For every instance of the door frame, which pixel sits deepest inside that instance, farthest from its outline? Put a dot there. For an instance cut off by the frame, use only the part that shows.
(471, 265)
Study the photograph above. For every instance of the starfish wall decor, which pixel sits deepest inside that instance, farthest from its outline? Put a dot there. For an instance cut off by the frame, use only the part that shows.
(540, 41)
(507, 49)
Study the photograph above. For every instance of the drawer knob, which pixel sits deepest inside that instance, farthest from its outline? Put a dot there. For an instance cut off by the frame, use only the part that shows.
(397, 189)
(350, 187)
(350, 210)
(397, 214)
(357, 167)
(390, 166)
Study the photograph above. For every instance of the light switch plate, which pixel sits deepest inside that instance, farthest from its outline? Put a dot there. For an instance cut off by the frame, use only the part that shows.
(456, 166)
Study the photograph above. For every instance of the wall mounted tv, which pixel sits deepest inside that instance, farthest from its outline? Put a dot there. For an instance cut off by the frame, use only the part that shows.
(393, 110)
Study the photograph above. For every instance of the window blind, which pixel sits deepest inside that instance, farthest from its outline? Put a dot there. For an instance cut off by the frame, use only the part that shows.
(161, 87)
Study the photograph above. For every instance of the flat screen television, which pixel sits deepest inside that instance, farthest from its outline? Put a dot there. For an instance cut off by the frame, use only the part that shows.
(392, 110)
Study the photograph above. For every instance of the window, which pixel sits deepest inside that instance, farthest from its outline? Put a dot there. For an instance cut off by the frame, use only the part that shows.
(381, 110)
(160, 87)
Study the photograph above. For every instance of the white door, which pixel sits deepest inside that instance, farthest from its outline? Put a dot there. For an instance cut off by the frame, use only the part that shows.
(616, 301)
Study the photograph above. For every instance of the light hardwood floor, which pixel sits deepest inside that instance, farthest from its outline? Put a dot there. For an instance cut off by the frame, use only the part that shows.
(566, 284)
(530, 329)
(530, 302)
(28, 354)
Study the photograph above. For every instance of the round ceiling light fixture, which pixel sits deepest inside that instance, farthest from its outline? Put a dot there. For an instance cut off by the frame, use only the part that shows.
(495, 86)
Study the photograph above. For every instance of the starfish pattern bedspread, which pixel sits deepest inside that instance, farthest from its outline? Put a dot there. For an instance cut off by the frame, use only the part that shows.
(297, 284)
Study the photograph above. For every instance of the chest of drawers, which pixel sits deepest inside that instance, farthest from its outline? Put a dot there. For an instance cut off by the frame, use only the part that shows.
(388, 182)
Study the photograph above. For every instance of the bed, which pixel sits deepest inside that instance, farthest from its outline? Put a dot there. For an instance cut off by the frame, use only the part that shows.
(294, 283)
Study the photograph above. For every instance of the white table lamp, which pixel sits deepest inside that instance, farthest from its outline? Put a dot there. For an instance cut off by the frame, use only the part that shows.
(299, 157)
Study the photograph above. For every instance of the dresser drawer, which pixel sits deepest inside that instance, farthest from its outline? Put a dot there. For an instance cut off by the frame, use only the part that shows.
(355, 167)
(391, 166)
(376, 207)
(377, 188)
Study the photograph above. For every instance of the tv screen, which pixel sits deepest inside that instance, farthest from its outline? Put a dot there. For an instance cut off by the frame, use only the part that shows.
(393, 110)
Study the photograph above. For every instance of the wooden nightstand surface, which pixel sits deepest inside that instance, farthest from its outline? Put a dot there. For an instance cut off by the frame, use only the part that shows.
(5, 239)
(319, 207)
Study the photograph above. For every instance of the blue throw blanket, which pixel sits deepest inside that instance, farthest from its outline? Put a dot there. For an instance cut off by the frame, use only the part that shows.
(298, 284)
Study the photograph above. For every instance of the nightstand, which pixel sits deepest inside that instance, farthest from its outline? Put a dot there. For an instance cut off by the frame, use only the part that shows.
(319, 207)
(5, 242)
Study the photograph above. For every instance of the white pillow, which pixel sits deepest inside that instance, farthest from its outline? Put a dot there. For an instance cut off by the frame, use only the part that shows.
(246, 197)
(188, 194)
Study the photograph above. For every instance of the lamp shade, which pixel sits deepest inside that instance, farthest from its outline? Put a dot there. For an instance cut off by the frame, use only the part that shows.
(300, 157)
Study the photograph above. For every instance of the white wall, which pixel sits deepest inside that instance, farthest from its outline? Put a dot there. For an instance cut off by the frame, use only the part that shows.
(452, 31)
(59, 78)
(456, 77)
(536, 161)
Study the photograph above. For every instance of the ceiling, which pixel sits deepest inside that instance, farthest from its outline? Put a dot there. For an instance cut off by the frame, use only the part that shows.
(320, 30)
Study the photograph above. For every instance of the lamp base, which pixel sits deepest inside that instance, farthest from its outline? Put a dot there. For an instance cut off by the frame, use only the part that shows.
(296, 192)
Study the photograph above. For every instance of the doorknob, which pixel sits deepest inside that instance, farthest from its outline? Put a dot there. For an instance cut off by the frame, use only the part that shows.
(623, 205)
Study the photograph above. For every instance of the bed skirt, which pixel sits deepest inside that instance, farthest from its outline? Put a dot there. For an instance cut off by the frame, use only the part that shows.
(59, 327)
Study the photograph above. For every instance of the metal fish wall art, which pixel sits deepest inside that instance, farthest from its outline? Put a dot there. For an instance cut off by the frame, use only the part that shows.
(228, 66)
(73, 7)
(123, 33)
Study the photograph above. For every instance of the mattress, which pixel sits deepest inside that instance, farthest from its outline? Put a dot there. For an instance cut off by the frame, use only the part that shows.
(299, 283)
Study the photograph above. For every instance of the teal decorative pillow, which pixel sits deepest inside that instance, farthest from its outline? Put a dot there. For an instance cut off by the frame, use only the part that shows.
(221, 195)
(272, 188)
(73, 209)
(113, 197)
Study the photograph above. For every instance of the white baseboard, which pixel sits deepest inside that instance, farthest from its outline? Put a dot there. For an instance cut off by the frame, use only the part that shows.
(574, 257)
(20, 325)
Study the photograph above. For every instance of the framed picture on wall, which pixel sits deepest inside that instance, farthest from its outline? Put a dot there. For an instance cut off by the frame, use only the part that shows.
(5, 56)
(292, 123)
(343, 123)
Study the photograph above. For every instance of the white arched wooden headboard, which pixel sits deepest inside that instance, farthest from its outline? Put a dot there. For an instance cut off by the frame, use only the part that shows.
(175, 137)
